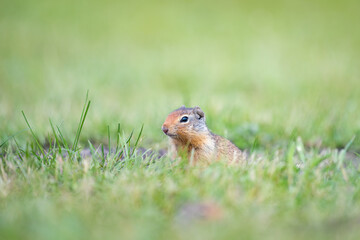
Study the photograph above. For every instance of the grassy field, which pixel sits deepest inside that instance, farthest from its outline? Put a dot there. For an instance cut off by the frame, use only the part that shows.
(281, 79)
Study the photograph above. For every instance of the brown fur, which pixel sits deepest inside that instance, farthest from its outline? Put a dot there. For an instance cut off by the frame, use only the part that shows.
(195, 140)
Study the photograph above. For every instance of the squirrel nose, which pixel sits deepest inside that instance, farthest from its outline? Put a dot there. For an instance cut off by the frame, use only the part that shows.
(165, 129)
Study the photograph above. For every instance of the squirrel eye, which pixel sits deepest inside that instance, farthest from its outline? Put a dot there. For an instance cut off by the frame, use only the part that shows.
(184, 119)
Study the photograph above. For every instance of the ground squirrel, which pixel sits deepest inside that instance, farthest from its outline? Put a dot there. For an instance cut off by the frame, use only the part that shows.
(189, 134)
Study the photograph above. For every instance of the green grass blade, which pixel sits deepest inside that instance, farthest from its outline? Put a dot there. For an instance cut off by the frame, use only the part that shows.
(118, 138)
(19, 150)
(92, 149)
(137, 140)
(103, 155)
(81, 117)
(254, 145)
(34, 136)
(300, 149)
(81, 124)
(55, 135)
(129, 138)
(343, 152)
(66, 145)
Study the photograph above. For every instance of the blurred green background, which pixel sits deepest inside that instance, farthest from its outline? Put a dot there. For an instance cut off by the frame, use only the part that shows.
(264, 70)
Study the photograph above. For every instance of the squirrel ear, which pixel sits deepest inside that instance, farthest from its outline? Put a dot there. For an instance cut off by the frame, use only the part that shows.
(199, 113)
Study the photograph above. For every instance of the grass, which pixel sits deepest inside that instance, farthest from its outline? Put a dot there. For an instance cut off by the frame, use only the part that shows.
(296, 194)
(280, 79)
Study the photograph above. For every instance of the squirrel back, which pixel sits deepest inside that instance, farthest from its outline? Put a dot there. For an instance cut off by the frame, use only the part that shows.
(188, 133)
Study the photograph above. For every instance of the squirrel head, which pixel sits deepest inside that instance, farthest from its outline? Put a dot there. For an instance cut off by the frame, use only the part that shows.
(185, 124)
